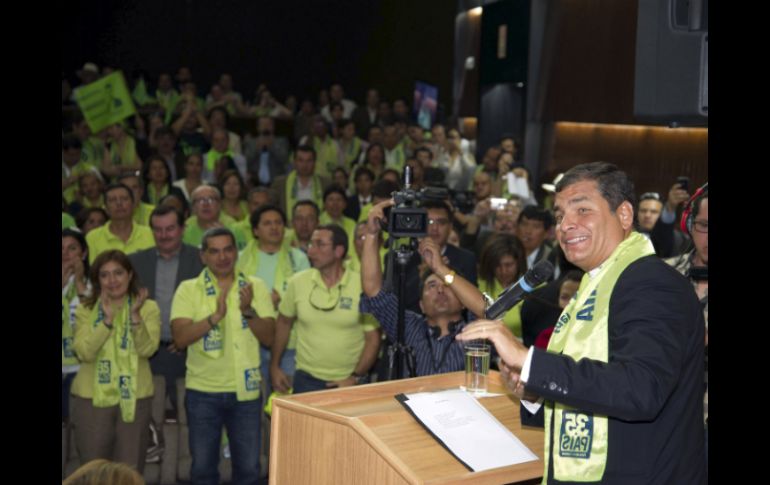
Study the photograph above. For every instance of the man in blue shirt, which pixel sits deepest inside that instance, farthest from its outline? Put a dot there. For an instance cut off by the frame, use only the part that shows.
(431, 334)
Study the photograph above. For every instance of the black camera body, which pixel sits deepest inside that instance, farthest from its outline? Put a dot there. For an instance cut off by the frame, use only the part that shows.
(406, 218)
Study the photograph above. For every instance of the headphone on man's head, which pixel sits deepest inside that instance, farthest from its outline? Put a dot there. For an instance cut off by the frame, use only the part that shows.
(687, 214)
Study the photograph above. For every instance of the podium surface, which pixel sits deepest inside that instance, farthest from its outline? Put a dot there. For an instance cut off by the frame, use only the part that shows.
(362, 434)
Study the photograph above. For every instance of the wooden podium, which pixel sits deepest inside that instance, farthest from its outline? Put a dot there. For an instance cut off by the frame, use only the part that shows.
(363, 435)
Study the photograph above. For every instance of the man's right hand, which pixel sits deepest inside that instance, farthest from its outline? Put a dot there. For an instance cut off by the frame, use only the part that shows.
(279, 379)
(676, 196)
(376, 214)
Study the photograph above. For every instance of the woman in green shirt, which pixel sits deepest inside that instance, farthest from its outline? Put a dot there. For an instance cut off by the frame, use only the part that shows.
(117, 330)
(502, 262)
(233, 195)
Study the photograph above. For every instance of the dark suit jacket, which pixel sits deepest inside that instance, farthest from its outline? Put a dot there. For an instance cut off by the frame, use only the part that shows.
(651, 389)
(146, 262)
(353, 209)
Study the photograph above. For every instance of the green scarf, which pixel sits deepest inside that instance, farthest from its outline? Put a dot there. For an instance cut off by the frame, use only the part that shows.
(242, 343)
(248, 262)
(117, 364)
(352, 152)
(68, 356)
(213, 156)
(126, 155)
(582, 331)
(292, 190)
(326, 156)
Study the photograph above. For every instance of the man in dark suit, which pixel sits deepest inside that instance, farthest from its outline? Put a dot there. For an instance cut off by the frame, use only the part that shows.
(266, 155)
(301, 183)
(439, 227)
(622, 378)
(160, 269)
(364, 182)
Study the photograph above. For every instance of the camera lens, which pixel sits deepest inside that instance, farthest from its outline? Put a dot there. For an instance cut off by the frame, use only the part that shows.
(407, 221)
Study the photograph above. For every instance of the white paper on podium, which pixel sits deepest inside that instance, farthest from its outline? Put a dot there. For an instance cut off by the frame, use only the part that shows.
(467, 429)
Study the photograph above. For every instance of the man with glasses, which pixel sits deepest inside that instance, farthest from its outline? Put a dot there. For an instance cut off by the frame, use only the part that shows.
(430, 332)
(121, 232)
(694, 265)
(336, 343)
(221, 317)
(207, 214)
(439, 227)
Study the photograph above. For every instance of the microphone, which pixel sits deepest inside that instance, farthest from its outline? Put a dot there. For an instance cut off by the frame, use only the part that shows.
(514, 293)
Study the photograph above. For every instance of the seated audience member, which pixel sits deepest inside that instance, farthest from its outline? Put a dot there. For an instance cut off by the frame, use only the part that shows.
(157, 180)
(301, 183)
(193, 178)
(142, 210)
(117, 330)
(233, 192)
(335, 202)
(532, 230)
(501, 264)
(266, 154)
(88, 193)
(363, 180)
(178, 202)
(120, 154)
(650, 207)
(91, 218)
(120, 232)
(220, 149)
(207, 214)
(304, 221)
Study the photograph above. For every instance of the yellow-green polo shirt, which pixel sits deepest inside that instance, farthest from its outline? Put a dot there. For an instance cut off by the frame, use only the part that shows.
(101, 239)
(193, 233)
(205, 374)
(142, 213)
(329, 343)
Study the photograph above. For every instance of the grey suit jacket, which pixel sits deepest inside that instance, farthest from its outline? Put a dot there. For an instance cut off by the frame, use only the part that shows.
(146, 263)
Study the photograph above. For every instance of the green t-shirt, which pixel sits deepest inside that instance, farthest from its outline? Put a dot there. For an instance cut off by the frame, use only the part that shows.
(101, 239)
(193, 233)
(204, 373)
(329, 343)
(142, 213)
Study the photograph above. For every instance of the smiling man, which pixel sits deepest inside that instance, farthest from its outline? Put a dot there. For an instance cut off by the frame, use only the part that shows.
(622, 377)
(336, 343)
(161, 269)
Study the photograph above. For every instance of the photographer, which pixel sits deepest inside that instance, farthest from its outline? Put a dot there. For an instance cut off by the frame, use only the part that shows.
(430, 333)
(438, 229)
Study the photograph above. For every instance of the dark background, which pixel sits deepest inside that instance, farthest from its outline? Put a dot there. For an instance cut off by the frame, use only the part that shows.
(294, 46)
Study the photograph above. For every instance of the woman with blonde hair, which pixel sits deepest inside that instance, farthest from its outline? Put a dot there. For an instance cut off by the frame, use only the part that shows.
(117, 329)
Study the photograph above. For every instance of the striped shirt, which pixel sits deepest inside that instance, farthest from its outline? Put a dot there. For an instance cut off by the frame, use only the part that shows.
(432, 355)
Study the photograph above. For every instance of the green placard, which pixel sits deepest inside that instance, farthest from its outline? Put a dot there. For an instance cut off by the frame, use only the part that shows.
(105, 102)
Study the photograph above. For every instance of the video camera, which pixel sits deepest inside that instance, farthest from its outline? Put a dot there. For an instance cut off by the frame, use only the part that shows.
(406, 218)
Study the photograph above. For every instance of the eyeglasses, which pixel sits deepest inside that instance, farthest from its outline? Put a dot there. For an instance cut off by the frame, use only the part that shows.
(441, 222)
(649, 195)
(205, 200)
(320, 301)
(701, 226)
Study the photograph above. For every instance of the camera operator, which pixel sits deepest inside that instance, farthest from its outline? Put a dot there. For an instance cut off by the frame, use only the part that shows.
(430, 332)
(439, 225)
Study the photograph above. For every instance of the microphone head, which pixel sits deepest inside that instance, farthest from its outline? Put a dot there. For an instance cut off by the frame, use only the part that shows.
(539, 273)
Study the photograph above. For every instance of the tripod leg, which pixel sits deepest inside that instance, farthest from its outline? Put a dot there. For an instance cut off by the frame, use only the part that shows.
(391, 361)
